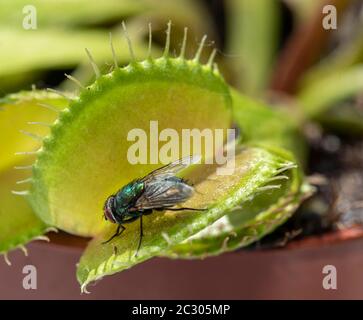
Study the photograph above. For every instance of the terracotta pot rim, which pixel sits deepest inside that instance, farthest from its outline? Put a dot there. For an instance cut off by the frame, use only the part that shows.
(331, 238)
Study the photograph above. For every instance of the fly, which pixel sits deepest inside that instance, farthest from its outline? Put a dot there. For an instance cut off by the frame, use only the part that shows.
(158, 191)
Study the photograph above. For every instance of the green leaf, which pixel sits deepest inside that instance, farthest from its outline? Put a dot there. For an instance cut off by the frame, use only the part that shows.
(84, 159)
(162, 230)
(65, 13)
(319, 96)
(75, 14)
(58, 31)
(252, 37)
(67, 50)
(18, 223)
(333, 101)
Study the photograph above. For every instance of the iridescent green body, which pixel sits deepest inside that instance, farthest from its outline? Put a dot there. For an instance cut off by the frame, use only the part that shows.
(126, 198)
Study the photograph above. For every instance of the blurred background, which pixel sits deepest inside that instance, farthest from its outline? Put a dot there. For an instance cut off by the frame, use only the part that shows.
(263, 45)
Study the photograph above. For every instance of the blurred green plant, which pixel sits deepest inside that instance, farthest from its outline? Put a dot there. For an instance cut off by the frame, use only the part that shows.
(67, 27)
(252, 60)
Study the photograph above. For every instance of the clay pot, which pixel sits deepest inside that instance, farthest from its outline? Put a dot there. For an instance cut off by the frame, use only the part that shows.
(294, 272)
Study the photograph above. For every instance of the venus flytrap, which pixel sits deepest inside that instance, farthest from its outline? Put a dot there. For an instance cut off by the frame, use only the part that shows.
(83, 159)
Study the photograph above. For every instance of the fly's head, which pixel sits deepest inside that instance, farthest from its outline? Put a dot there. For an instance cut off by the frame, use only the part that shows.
(109, 209)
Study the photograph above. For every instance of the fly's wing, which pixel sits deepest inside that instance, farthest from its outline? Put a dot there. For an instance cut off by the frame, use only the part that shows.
(170, 169)
(166, 193)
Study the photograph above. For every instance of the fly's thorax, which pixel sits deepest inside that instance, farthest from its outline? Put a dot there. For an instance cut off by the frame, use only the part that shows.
(129, 194)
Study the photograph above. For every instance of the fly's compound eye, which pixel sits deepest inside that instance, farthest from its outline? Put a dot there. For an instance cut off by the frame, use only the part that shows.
(108, 210)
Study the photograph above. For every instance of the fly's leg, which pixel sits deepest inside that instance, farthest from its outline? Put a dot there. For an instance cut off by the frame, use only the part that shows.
(120, 226)
(144, 212)
(119, 230)
(140, 238)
